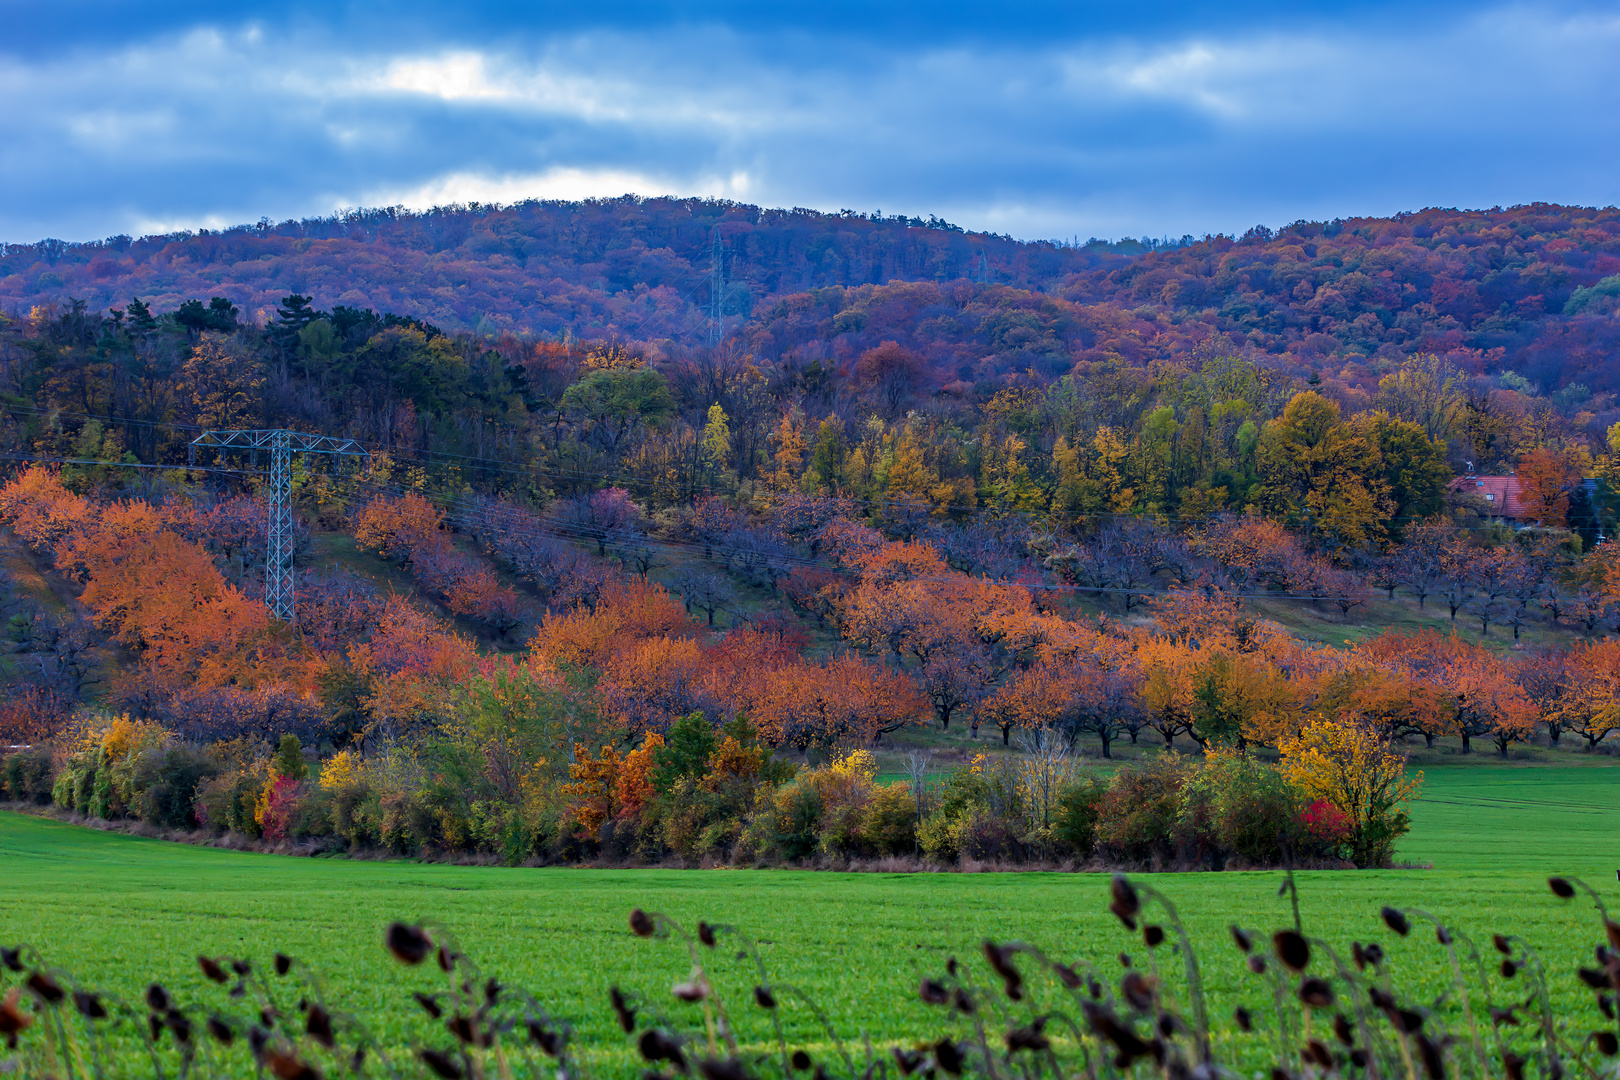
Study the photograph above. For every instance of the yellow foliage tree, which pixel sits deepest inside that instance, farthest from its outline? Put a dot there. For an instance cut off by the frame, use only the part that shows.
(1359, 771)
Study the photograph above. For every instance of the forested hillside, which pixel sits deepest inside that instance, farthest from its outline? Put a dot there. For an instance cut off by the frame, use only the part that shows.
(918, 477)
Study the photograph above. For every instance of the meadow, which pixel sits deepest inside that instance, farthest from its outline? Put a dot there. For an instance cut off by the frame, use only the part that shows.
(120, 911)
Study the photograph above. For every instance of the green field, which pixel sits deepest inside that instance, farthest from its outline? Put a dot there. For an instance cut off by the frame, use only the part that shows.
(120, 911)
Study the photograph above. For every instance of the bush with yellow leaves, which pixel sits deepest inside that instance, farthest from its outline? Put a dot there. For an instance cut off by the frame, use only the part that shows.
(1356, 769)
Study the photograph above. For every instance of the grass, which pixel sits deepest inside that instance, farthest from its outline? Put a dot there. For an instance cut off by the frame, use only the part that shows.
(120, 910)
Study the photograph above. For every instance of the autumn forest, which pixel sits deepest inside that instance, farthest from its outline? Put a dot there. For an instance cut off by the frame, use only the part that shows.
(675, 512)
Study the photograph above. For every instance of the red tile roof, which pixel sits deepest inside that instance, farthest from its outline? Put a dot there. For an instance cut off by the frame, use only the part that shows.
(1500, 492)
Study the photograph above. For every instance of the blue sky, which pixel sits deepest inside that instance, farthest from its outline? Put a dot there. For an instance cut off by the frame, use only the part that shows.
(1040, 120)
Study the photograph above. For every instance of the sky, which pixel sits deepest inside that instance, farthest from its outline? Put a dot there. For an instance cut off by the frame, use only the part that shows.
(1049, 120)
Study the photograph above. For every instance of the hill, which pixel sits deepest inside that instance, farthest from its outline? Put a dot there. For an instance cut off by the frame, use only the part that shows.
(1529, 289)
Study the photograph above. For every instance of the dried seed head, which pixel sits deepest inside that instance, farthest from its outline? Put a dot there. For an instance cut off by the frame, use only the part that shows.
(177, 1022)
(1316, 993)
(1410, 1021)
(154, 1026)
(1395, 919)
(409, 944)
(1561, 887)
(492, 991)
(1138, 990)
(1242, 939)
(549, 1040)
(1125, 904)
(1509, 969)
(288, 1067)
(211, 969)
(284, 962)
(318, 1023)
(1124, 894)
(999, 961)
(622, 1009)
(89, 1005)
(641, 924)
(800, 1060)
(1512, 1065)
(1442, 935)
(1597, 980)
(1358, 955)
(258, 1039)
(1319, 1054)
(1067, 976)
(962, 1003)
(1292, 949)
(1502, 944)
(905, 1060)
(157, 998)
(1374, 953)
(1381, 998)
(1257, 964)
(656, 1046)
(12, 1017)
(1612, 928)
(764, 998)
(1342, 1030)
(1027, 1038)
(442, 1064)
(242, 967)
(1606, 1043)
(12, 958)
(1433, 1062)
(46, 988)
(690, 991)
(949, 1057)
(1153, 936)
(725, 1069)
(933, 993)
(1505, 1017)
(950, 966)
(445, 959)
(706, 934)
(466, 1031)
(1125, 961)
(221, 1031)
(1245, 1022)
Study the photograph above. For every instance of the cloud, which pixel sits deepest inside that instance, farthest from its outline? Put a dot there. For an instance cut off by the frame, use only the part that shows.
(558, 183)
(1215, 126)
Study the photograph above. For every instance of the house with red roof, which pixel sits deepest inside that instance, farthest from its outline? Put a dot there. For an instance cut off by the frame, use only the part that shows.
(1500, 494)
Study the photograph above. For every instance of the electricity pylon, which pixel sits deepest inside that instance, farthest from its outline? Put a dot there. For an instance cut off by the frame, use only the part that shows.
(282, 444)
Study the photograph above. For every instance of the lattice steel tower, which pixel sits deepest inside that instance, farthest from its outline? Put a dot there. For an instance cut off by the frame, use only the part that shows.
(282, 444)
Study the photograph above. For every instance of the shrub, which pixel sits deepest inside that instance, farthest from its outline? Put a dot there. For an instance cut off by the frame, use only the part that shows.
(965, 793)
(1137, 817)
(889, 826)
(1255, 810)
(227, 802)
(166, 782)
(1079, 807)
(1359, 771)
(355, 810)
(25, 776)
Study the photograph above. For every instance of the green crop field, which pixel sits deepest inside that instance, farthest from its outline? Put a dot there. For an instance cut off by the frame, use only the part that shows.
(120, 911)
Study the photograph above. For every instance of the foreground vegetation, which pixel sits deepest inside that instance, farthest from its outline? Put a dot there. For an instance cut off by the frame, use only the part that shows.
(561, 935)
